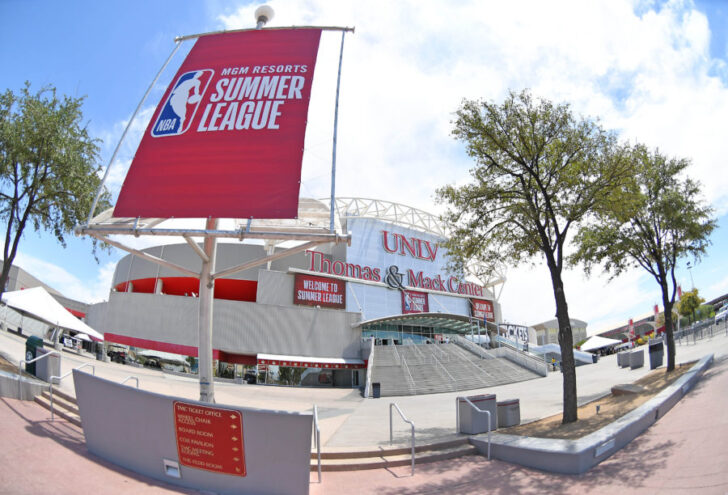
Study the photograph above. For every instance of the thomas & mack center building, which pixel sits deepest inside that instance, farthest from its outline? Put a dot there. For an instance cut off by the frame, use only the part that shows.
(311, 318)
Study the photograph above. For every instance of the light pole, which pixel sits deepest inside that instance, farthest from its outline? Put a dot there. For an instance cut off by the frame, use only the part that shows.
(263, 15)
(690, 270)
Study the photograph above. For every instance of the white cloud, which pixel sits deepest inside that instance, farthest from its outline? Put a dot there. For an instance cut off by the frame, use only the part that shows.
(89, 291)
(409, 64)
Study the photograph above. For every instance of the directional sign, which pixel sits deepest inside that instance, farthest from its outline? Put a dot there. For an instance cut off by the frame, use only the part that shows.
(210, 438)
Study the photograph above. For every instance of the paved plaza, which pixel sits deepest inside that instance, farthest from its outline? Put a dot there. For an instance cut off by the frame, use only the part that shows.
(683, 452)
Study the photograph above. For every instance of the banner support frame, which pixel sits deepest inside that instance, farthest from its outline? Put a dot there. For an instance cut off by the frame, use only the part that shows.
(336, 127)
(126, 129)
(226, 31)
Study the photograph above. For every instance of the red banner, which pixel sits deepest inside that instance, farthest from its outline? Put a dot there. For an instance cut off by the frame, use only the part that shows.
(482, 309)
(319, 291)
(226, 140)
(209, 438)
(414, 302)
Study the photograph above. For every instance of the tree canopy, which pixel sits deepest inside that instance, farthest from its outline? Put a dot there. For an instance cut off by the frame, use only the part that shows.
(48, 167)
(689, 303)
(540, 171)
(661, 221)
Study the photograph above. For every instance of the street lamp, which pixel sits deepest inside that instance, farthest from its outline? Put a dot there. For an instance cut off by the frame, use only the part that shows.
(263, 15)
(690, 270)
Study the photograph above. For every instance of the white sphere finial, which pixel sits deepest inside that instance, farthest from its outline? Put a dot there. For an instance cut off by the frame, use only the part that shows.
(263, 15)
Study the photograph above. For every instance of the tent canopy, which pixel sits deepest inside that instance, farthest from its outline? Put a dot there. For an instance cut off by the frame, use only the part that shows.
(596, 342)
(37, 303)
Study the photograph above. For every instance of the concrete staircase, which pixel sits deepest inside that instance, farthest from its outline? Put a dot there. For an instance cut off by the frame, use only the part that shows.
(64, 405)
(436, 368)
(355, 460)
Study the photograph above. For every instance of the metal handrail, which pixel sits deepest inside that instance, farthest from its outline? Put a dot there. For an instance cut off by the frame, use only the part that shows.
(412, 425)
(457, 417)
(452, 379)
(399, 358)
(47, 354)
(406, 368)
(370, 366)
(20, 369)
(50, 385)
(131, 377)
(317, 439)
(472, 347)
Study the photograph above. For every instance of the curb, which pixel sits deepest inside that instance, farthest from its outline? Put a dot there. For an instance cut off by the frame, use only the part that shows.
(578, 456)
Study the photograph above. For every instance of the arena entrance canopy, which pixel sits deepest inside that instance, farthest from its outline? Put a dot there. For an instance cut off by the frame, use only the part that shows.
(421, 326)
(225, 142)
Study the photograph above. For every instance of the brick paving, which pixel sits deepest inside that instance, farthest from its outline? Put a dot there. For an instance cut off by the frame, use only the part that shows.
(684, 452)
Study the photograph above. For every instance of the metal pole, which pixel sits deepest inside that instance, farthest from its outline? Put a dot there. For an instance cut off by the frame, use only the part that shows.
(479, 343)
(128, 125)
(207, 292)
(336, 124)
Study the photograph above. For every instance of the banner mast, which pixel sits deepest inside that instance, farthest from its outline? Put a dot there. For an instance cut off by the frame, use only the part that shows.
(107, 224)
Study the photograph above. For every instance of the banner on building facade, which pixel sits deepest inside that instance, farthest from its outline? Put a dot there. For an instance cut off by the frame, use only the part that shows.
(226, 140)
(325, 292)
(482, 309)
(517, 333)
(415, 302)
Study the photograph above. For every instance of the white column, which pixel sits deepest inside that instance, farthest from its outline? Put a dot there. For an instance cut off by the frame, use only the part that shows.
(207, 291)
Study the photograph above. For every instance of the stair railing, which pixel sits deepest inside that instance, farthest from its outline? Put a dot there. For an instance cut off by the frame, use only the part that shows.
(131, 377)
(452, 379)
(412, 426)
(317, 439)
(20, 368)
(412, 385)
(457, 416)
(59, 378)
(370, 367)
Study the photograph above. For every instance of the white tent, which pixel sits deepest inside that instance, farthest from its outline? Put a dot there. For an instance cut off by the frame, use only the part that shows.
(596, 342)
(37, 303)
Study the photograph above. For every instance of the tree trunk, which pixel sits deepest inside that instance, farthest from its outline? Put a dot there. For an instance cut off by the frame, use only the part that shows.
(566, 343)
(4, 275)
(669, 334)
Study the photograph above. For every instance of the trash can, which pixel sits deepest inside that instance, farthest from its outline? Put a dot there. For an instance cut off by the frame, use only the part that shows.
(623, 359)
(656, 355)
(473, 421)
(31, 352)
(636, 359)
(376, 390)
(99, 351)
(509, 413)
(47, 367)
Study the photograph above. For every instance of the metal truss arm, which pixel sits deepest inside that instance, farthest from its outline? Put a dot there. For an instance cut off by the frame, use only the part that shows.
(148, 257)
(262, 261)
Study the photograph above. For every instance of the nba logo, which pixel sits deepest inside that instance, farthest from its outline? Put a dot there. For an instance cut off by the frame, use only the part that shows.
(182, 103)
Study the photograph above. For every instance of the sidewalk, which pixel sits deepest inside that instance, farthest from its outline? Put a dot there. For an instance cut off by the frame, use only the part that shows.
(684, 452)
(350, 422)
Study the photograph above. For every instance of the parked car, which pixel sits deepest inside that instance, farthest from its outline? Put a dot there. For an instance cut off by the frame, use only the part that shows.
(250, 377)
(117, 355)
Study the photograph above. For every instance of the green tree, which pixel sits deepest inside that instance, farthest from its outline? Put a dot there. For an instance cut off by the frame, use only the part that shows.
(689, 302)
(662, 222)
(48, 170)
(539, 172)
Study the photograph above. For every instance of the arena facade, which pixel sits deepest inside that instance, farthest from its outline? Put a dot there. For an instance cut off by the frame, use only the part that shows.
(308, 318)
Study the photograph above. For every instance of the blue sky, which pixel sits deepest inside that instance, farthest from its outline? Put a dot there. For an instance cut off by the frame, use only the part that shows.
(656, 72)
